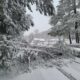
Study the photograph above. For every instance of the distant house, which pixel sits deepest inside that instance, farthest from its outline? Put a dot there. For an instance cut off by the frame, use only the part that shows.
(51, 42)
(44, 42)
(38, 41)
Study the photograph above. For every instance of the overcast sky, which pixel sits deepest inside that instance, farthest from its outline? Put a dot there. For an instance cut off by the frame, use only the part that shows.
(41, 22)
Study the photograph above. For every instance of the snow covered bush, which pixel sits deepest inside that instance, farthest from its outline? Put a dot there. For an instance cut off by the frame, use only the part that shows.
(62, 49)
(9, 48)
(76, 52)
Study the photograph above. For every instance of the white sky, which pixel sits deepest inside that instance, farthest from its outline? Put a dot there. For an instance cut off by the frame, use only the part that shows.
(41, 22)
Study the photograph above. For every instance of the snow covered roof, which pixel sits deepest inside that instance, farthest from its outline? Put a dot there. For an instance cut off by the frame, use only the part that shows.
(53, 39)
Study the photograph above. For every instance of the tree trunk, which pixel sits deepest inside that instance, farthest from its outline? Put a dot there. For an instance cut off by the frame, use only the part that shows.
(76, 33)
(76, 24)
(70, 38)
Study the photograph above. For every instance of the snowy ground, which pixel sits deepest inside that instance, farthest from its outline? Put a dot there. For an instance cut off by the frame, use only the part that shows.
(43, 74)
(69, 71)
(73, 69)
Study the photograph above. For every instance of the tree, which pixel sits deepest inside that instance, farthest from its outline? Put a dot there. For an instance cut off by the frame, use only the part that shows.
(43, 6)
(76, 24)
(30, 37)
(70, 17)
(13, 20)
(59, 22)
(74, 15)
(71, 9)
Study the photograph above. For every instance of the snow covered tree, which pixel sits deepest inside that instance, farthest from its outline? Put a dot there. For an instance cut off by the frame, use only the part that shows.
(13, 20)
(71, 7)
(69, 18)
(43, 6)
(59, 22)
(13, 14)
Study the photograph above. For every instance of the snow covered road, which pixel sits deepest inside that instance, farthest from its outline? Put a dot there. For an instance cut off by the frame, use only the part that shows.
(43, 74)
(69, 71)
